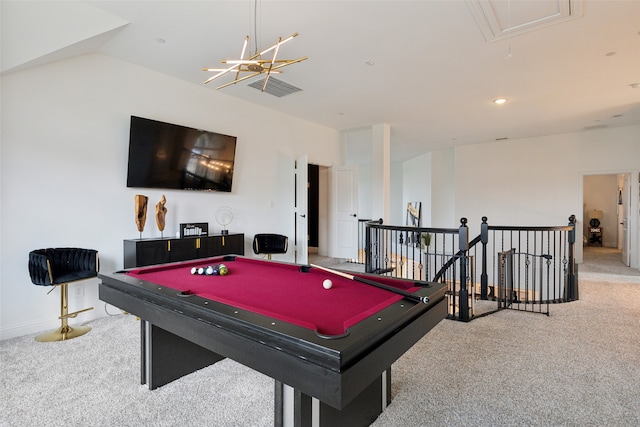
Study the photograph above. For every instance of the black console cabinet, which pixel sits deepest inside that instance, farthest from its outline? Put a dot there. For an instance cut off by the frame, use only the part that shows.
(142, 252)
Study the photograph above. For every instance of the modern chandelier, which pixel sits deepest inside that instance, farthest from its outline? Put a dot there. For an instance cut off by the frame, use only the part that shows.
(254, 64)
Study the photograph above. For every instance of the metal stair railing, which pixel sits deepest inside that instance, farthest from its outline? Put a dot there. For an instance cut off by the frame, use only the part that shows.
(448, 256)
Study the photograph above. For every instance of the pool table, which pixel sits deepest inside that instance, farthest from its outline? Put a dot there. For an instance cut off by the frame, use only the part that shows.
(329, 350)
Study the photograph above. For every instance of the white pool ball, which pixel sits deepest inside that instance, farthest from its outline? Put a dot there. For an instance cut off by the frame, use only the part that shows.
(327, 284)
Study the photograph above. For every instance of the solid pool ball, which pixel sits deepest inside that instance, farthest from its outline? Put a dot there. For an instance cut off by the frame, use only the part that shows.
(223, 271)
(327, 284)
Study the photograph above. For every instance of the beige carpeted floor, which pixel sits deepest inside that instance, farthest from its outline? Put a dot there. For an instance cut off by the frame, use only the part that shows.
(578, 366)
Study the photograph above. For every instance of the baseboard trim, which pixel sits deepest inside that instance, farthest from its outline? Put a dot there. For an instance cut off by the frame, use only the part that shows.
(43, 325)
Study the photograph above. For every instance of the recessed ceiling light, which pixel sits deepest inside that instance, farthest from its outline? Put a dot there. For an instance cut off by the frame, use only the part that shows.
(611, 53)
(500, 101)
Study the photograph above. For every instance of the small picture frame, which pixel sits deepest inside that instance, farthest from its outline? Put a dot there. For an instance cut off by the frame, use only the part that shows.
(414, 214)
(194, 229)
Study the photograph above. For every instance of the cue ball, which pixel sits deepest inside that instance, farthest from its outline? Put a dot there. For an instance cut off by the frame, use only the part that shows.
(327, 284)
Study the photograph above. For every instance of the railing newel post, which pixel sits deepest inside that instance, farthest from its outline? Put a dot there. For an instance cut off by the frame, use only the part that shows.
(484, 276)
(463, 247)
(367, 248)
(572, 284)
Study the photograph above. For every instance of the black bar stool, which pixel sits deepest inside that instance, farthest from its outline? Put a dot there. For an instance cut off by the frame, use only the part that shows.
(267, 243)
(59, 267)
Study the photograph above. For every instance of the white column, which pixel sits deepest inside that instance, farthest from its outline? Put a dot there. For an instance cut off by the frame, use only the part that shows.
(381, 171)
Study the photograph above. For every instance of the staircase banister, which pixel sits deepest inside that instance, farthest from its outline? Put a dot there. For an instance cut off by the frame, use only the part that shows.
(530, 228)
(414, 229)
(458, 254)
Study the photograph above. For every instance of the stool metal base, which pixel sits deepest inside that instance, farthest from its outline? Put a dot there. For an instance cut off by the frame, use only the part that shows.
(63, 333)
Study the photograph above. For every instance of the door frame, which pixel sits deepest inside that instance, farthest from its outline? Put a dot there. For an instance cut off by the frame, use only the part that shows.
(633, 229)
(324, 226)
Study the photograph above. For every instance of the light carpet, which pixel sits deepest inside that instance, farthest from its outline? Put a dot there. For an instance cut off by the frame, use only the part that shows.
(578, 366)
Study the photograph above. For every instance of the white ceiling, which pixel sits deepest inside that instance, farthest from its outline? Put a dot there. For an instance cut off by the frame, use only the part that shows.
(436, 68)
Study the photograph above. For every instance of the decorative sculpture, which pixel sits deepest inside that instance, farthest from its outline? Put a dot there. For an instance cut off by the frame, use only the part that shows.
(161, 212)
(141, 211)
(224, 216)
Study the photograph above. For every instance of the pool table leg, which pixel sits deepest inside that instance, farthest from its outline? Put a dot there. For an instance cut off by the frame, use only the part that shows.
(167, 357)
(296, 409)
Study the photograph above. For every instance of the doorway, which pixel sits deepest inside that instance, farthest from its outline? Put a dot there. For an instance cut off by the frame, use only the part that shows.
(317, 209)
(605, 214)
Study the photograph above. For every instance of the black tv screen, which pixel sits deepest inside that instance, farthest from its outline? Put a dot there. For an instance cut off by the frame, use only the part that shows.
(164, 155)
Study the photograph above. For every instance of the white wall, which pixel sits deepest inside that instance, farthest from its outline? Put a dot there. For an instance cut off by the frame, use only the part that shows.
(430, 179)
(539, 181)
(65, 129)
(443, 194)
(365, 191)
(534, 181)
(416, 178)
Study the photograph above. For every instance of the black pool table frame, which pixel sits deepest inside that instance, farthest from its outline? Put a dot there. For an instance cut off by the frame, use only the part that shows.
(336, 381)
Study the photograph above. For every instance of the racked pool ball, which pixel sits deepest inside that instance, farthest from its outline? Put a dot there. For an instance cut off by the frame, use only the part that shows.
(215, 271)
(223, 270)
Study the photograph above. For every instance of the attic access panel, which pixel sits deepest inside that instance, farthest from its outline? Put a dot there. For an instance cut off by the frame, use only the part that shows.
(499, 19)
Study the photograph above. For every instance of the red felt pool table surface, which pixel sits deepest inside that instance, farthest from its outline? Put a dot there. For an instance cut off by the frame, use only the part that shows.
(283, 291)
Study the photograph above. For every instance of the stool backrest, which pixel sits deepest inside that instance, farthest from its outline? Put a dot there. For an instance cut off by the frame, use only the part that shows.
(269, 243)
(52, 266)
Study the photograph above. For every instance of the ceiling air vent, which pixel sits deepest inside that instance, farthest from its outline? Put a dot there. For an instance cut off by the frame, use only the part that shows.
(275, 87)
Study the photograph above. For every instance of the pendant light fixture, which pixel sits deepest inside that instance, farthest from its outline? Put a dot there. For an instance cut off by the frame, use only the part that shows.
(255, 64)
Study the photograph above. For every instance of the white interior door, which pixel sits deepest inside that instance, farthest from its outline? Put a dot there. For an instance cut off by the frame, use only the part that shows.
(345, 212)
(626, 202)
(301, 253)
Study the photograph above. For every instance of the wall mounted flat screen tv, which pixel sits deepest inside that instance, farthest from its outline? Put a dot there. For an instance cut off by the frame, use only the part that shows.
(164, 155)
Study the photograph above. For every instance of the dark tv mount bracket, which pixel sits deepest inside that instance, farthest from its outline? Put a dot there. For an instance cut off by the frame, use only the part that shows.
(195, 229)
